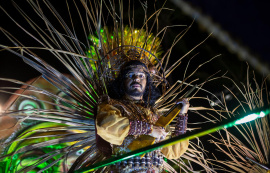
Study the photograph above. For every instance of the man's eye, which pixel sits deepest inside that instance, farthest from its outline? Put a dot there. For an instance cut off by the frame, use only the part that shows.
(141, 76)
(130, 75)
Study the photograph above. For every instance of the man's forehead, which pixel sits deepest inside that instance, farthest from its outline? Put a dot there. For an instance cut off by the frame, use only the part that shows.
(136, 68)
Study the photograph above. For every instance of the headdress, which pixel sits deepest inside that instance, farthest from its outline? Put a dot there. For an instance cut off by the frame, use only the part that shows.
(117, 58)
(136, 45)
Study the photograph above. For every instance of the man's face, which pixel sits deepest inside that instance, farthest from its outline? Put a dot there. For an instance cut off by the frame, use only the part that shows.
(135, 81)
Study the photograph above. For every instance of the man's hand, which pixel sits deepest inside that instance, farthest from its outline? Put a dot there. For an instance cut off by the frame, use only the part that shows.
(158, 133)
(185, 104)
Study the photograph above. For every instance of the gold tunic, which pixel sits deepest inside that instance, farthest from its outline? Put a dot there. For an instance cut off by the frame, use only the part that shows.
(112, 123)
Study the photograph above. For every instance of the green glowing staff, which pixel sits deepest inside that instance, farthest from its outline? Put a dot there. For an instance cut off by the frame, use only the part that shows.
(258, 113)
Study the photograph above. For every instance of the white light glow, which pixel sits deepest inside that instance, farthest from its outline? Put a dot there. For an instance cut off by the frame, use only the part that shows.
(249, 117)
(262, 114)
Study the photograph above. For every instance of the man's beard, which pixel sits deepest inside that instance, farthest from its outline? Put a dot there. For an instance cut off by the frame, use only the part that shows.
(135, 91)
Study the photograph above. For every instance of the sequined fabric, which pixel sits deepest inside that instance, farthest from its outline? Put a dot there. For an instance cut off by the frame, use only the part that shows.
(181, 124)
(139, 128)
(150, 162)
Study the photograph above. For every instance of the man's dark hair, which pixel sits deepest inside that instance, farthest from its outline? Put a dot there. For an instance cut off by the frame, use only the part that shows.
(116, 88)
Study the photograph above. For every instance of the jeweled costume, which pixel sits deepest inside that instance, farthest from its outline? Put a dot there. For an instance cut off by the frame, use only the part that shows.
(120, 122)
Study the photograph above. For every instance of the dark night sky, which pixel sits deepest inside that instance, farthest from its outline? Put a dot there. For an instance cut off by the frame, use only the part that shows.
(246, 21)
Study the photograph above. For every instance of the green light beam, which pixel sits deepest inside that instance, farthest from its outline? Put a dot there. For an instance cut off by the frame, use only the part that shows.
(258, 113)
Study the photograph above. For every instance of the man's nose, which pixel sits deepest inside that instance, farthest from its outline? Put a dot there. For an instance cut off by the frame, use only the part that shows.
(136, 78)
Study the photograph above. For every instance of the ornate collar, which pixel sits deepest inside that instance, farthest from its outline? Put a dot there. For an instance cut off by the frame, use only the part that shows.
(127, 99)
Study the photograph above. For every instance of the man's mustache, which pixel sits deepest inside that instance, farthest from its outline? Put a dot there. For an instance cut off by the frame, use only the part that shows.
(135, 83)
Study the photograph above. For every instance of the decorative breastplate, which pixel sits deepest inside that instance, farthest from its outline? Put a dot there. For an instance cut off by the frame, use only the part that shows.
(135, 111)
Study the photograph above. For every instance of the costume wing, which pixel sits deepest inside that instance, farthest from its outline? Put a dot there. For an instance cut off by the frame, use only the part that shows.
(54, 126)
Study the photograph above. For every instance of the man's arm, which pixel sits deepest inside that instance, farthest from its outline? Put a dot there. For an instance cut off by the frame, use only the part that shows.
(114, 128)
(143, 128)
(111, 125)
(181, 122)
(176, 150)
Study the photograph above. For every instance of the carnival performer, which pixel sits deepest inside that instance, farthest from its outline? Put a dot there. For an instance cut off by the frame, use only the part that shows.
(128, 113)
